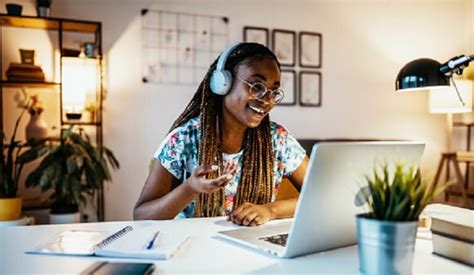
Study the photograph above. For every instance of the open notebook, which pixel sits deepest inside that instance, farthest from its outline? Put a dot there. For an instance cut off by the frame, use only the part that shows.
(126, 243)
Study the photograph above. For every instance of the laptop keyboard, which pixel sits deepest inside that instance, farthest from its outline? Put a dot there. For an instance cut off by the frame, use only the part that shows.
(276, 239)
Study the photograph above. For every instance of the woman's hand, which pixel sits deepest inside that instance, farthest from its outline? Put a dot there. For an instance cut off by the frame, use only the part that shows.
(252, 214)
(200, 184)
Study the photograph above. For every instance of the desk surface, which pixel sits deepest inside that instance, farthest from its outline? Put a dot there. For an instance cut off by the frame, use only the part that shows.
(205, 253)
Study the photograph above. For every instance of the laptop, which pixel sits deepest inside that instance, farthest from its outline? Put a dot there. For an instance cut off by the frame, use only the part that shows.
(324, 218)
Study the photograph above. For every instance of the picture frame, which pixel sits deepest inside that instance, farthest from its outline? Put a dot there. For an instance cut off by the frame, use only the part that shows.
(310, 89)
(288, 85)
(310, 49)
(284, 46)
(257, 34)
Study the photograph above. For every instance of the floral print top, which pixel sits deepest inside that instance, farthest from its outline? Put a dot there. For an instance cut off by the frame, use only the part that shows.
(178, 153)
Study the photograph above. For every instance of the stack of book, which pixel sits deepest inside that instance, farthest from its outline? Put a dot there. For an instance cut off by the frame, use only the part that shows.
(453, 234)
(25, 72)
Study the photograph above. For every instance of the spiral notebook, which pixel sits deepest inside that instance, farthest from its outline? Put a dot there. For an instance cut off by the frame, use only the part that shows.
(142, 243)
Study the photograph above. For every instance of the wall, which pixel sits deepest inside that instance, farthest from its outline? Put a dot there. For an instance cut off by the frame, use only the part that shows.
(366, 42)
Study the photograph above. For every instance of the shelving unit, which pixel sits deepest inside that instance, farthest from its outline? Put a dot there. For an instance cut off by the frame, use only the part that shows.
(61, 26)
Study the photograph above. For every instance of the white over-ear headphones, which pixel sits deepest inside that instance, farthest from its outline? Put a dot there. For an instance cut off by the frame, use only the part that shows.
(221, 79)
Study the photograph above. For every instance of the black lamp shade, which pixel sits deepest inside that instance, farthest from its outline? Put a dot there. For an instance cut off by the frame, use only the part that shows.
(421, 73)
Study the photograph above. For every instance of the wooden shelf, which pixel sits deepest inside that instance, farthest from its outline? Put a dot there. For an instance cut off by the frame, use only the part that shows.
(13, 84)
(463, 124)
(68, 122)
(49, 23)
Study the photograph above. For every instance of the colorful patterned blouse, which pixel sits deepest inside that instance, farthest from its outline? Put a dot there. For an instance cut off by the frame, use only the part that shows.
(178, 153)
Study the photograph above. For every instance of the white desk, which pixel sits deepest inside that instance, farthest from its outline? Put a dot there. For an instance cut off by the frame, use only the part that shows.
(205, 253)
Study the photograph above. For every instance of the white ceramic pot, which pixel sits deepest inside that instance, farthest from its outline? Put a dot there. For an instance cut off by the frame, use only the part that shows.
(64, 218)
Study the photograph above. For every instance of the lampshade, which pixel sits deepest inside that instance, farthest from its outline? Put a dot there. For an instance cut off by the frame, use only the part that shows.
(80, 77)
(445, 100)
(421, 74)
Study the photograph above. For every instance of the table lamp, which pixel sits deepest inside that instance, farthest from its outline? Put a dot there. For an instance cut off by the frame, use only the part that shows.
(80, 77)
(425, 73)
(446, 101)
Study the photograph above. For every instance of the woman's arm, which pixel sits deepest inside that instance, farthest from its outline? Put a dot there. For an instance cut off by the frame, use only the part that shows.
(163, 197)
(254, 214)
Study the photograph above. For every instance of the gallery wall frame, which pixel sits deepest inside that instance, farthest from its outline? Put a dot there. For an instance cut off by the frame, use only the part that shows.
(257, 34)
(310, 49)
(310, 88)
(284, 46)
(288, 85)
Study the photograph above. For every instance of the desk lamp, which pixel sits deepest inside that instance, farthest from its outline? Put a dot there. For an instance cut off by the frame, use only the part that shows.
(429, 74)
(425, 73)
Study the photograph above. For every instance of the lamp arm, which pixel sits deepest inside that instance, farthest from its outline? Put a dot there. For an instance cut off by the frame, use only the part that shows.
(456, 64)
(458, 93)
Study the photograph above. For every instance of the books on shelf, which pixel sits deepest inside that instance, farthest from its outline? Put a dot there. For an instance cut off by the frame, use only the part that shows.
(453, 234)
(142, 243)
(25, 72)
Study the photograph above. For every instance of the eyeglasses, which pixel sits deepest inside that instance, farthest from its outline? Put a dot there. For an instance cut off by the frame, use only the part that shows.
(260, 91)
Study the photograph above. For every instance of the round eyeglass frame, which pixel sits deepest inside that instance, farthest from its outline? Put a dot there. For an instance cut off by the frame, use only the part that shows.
(274, 99)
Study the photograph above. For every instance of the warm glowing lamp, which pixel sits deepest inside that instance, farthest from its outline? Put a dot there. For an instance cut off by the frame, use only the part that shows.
(79, 78)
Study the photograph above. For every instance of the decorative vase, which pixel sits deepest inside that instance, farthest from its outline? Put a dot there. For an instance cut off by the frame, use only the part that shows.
(36, 128)
(385, 247)
(10, 209)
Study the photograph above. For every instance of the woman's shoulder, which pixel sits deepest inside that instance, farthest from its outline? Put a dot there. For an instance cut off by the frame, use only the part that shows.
(186, 133)
(278, 129)
(190, 125)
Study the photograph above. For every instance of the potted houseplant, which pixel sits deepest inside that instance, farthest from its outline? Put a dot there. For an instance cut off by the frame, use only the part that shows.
(386, 233)
(43, 7)
(72, 168)
(10, 204)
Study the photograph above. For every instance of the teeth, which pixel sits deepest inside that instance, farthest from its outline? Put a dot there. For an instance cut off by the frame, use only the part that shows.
(258, 110)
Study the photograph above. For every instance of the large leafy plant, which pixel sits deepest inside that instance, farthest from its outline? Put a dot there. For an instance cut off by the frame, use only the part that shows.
(401, 197)
(72, 167)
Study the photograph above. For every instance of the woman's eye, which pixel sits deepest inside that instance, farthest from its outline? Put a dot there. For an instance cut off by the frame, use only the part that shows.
(258, 88)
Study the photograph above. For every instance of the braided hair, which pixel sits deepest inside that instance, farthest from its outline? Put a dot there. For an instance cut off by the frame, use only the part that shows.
(256, 182)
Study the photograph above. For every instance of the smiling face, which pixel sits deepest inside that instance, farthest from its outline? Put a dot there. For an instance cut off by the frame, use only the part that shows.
(240, 108)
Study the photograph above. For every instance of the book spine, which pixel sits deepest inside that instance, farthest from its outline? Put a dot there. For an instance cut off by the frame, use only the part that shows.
(452, 237)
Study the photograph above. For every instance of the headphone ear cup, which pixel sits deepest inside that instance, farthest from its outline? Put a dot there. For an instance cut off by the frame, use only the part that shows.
(221, 81)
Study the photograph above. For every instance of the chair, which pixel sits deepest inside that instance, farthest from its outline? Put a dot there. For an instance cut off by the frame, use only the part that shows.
(459, 185)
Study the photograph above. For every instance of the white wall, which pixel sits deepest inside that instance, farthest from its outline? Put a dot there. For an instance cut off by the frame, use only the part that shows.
(366, 42)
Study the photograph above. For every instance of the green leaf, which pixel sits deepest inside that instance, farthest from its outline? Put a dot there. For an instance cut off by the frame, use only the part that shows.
(398, 197)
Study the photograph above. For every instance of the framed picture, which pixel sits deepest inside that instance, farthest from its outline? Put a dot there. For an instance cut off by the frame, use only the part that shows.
(310, 88)
(284, 46)
(288, 85)
(311, 49)
(257, 34)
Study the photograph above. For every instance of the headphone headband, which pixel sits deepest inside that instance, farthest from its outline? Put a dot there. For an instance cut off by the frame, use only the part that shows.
(224, 55)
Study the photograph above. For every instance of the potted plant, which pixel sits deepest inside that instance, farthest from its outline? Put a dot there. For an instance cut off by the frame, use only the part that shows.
(43, 7)
(10, 204)
(72, 168)
(386, 233)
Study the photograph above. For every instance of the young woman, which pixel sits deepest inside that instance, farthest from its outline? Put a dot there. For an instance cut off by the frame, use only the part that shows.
(223, 155)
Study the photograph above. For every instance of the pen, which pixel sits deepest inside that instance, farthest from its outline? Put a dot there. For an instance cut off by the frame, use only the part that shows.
(152, 241)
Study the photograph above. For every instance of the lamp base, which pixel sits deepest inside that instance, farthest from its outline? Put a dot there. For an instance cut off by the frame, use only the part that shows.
(74, 115)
